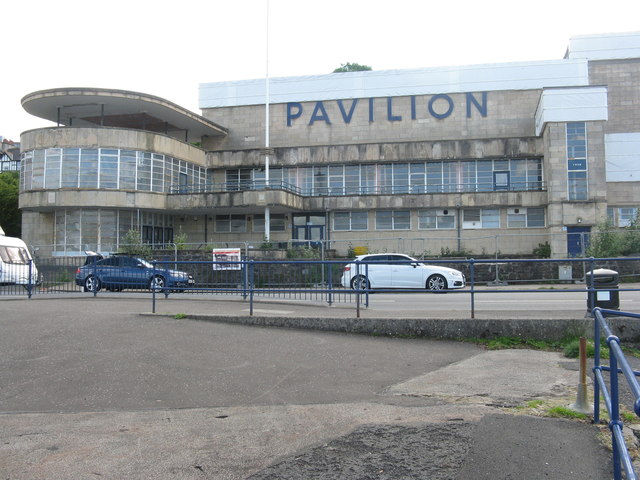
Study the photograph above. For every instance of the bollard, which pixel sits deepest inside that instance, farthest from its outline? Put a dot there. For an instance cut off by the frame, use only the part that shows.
(582, 404)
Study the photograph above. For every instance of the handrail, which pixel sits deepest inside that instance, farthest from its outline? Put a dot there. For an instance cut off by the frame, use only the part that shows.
(230, 187)
(345, 190)
(618, 364)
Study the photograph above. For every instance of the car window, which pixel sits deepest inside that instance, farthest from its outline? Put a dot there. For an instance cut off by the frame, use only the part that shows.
(400, 258)
(108, 262)
(129, 262)
(377, 258)
(15, 255)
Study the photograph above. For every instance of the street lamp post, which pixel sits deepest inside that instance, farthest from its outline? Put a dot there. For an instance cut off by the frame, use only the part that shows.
(267, 214)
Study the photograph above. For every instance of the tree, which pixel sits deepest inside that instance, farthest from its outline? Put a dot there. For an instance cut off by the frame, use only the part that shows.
(604, 241)
(352, 67)
(131, 244)
(608, 241)
(631, 237)
(10, 217)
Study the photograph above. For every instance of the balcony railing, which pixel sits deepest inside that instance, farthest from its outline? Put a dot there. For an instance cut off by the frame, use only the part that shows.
(343, 190)
(241, 186)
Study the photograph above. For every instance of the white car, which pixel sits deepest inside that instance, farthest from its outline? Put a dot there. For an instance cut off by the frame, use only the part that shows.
(395, 270)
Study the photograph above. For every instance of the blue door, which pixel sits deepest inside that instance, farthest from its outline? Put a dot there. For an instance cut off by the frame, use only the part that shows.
(577, 240)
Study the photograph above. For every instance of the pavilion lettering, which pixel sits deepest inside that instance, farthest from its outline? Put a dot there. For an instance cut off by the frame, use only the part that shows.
(398, 109)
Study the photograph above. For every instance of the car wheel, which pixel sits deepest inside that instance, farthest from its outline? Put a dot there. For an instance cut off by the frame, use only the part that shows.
(91, 284)
(436, 283)
(359, 282)
(157, 283)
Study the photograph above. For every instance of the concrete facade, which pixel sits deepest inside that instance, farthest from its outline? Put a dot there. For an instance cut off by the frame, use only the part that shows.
(479, 159)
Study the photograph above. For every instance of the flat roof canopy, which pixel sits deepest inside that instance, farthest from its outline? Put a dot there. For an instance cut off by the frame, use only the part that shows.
(91, 107)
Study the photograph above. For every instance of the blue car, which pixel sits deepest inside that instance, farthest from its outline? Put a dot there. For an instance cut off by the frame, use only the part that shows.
(118, 272)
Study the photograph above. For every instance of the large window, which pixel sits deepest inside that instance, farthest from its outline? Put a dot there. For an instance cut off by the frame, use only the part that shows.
(343, 221)
(481, 218)
(109, 169)
(102, 230)
(436, 219)
(623, 216)
(525, 217)
(277, 223)
(393, 220)
(400, 177)
(231, 223)
(577, 161)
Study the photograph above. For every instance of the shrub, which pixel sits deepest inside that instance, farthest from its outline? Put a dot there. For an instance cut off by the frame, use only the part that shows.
(131, 244)
(180, 240)
(447, 252)
(543, 250)
(303, 252)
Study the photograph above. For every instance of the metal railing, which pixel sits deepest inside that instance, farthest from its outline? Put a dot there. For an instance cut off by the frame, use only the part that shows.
(240, 186)
(319, 280)
(618, 364)
(345, 190)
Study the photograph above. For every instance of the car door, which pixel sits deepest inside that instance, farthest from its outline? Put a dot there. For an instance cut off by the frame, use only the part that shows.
(405, 273)
(106, 270)
(377, 270)
(133, 275)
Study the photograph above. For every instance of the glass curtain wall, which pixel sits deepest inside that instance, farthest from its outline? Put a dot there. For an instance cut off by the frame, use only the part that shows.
(107, 169)
(403, 178)
(97, 229)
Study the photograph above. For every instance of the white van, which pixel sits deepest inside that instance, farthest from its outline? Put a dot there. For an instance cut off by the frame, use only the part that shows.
(14, 262)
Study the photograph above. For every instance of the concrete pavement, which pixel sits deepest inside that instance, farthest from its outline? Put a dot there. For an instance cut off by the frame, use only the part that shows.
(101, 388)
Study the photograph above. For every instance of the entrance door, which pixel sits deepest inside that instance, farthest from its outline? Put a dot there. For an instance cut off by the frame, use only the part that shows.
(309, 229)
(577, 240)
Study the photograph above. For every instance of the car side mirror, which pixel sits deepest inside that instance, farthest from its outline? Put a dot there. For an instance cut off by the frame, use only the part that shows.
(140, 265)
(414, 265)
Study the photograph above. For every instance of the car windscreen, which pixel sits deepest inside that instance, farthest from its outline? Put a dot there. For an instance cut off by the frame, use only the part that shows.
(14, 255)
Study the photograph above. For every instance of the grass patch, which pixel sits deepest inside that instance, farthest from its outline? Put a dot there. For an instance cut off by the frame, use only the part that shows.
(572, 349)
(180, 316)
(569, 346)
(565, 412)
(502, 343)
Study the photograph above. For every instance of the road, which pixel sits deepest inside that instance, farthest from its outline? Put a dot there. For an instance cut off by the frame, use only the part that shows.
(91, 388)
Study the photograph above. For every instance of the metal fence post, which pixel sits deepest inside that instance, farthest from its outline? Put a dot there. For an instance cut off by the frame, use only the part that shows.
(245, 277)
(153, 290)
(29, 282)
(591, 285)
(596, 368)
(357, 291)
(251, 285)
(95, 276)
(330, 282)
(472, 275)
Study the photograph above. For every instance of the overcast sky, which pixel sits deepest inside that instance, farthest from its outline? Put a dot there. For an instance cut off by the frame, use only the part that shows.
(167, 48)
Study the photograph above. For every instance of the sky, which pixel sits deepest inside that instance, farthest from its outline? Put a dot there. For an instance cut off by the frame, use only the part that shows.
(167, 48)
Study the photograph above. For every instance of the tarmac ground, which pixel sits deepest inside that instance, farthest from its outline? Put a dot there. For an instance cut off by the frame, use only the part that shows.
(101, 388)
